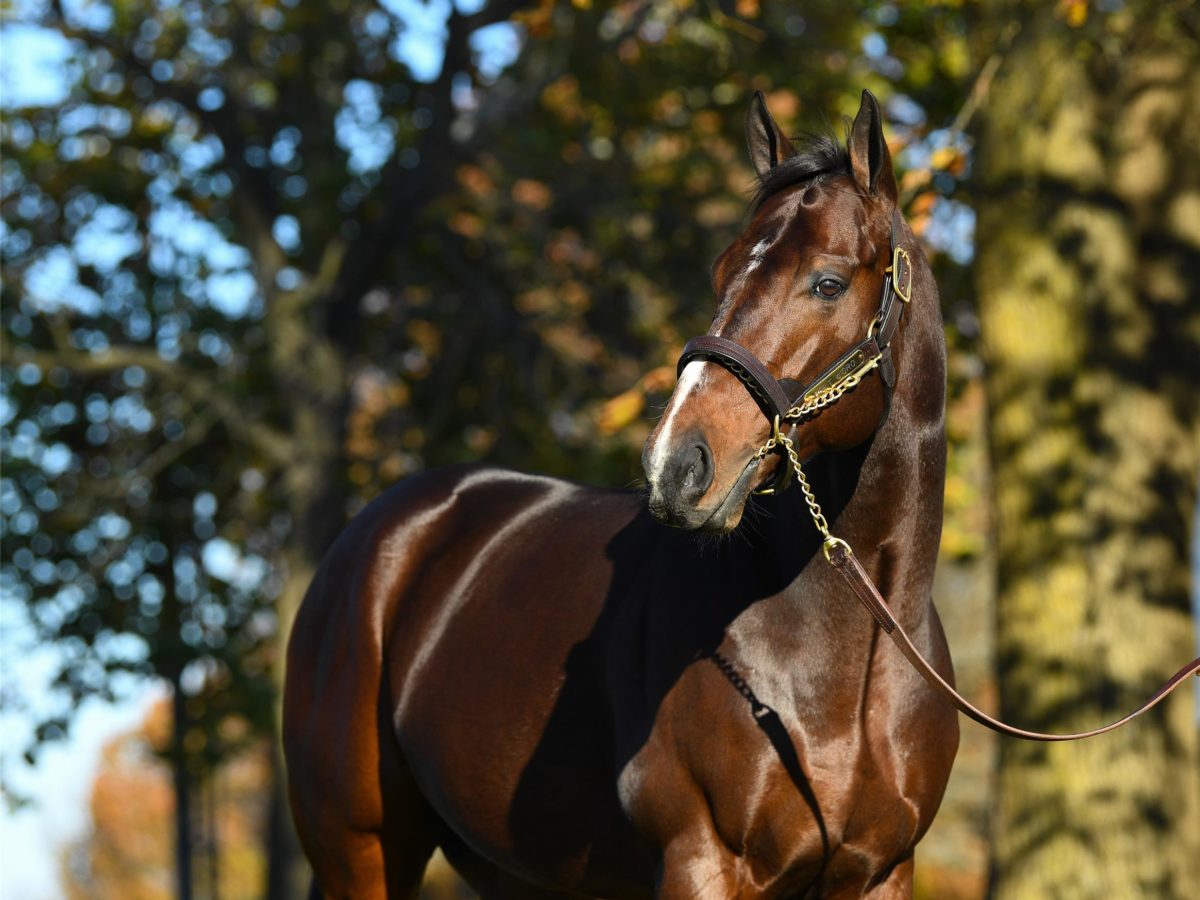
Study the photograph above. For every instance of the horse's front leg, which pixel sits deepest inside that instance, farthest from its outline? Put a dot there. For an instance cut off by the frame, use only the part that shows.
(698, 866)
(898, 885)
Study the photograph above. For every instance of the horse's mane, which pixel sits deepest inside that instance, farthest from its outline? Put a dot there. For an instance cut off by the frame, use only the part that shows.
(817, 156)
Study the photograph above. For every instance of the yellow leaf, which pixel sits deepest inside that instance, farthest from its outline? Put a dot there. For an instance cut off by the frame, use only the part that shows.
(534, 194)
(466, 224)
(923, 204)
(475, 180)
(425, 335)
(915, 178)
(659, 379)
(618, 412)
(943, 157)
(1075, 12)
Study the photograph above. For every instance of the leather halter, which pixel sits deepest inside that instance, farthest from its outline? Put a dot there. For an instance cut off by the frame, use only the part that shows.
(769, 392)
(779, 406)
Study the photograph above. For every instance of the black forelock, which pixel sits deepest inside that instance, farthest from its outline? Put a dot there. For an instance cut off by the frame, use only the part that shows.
(817, 156)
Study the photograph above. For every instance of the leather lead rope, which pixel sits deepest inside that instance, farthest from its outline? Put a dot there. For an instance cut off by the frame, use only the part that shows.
(842, 558)
(864, 589)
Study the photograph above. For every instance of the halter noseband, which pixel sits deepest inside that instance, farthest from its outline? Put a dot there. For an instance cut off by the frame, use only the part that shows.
(780, 406)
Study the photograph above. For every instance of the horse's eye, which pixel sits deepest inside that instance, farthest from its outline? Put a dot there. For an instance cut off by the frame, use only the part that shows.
(828, 288)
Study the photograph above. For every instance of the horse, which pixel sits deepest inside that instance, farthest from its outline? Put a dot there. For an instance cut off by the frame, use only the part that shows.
(582, 692)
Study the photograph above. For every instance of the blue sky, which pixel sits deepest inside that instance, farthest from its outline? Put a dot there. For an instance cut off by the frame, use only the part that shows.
(31, 66)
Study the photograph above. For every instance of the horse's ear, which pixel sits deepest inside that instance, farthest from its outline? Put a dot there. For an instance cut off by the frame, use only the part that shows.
(869, 155)
(768, 145)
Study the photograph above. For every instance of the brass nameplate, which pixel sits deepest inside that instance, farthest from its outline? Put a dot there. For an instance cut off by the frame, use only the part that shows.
(839, 373)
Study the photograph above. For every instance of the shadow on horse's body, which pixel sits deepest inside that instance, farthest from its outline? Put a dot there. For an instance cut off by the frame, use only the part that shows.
(571, 699)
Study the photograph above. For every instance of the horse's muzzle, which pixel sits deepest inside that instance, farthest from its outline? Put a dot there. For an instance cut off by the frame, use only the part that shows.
(678, 483)
(681, 483)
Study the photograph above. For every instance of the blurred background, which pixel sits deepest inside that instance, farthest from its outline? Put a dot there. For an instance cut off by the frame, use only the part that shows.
(263, 258)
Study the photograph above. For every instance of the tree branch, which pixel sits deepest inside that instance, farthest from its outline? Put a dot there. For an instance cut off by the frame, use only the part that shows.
(407, 190)
(273, 444)
(166, 453)
(983, 81)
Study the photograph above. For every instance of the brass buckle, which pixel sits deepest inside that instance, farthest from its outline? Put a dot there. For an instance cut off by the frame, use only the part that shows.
(905, 292)
(875, 323)
(773, 442)
(830, 543)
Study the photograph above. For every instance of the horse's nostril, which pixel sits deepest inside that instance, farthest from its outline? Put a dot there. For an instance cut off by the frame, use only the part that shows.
(699, 473)
(696, 470)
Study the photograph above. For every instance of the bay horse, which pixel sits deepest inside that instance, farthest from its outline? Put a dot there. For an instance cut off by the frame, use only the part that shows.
(570, 698)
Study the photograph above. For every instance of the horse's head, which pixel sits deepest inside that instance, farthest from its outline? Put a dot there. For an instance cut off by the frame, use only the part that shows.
(797, 289)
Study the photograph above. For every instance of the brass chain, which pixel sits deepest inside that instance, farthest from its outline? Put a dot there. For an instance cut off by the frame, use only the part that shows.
(814, 507)
(779, 439)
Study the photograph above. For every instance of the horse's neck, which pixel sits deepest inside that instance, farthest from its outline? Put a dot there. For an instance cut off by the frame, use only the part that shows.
(884, 499)
(894, 518)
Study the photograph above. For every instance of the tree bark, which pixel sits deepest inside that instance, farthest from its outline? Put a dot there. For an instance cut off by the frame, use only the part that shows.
(1088, 284)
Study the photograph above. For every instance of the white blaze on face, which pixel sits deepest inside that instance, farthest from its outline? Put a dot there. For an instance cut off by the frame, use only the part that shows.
(693, 374)
(757, 252)
(689, 381)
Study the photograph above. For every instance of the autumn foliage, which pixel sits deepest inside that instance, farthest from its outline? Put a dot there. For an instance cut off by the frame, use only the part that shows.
(128, 850)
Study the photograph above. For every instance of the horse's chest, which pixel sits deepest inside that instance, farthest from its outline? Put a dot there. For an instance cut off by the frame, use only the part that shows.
(726, 785)
(756, 786)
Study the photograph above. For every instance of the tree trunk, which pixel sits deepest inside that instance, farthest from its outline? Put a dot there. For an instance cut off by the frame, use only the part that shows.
(183, 793)
(1088, 283)
(212, 835)
(287, 873)
(316, 487)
